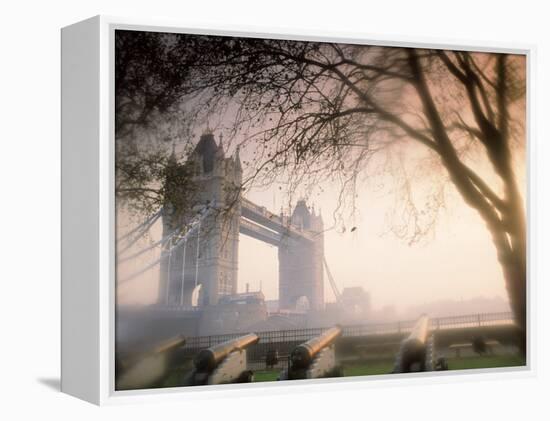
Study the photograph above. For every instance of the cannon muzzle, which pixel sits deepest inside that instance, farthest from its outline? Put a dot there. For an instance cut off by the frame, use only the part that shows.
(419, 335)
(412, 354)
(208, 359)
(150, 367)
(303, 354)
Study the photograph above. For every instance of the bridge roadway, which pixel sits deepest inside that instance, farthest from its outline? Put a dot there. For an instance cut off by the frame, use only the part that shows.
(259, 223)
(258, 232)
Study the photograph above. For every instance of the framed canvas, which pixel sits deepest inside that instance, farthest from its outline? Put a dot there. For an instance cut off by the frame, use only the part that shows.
(247, 210)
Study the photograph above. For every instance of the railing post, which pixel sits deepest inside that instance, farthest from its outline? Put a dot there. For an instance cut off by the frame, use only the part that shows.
(479, 320)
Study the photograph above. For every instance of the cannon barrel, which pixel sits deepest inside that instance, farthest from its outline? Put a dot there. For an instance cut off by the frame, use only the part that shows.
(128, 359)
(209, 358)
(413, 347)
(419, 334)
(169, 344)
(303, 354)
(149, 367)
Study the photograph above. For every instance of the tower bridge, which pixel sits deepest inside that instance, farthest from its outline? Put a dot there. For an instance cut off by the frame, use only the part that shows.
(207, 258)
(259, 216)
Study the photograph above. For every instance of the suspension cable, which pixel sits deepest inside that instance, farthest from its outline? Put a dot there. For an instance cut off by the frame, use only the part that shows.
(152, 246)
(144, 223)
(183, 271)
(141, 233)
(333, 285)
(178, 243)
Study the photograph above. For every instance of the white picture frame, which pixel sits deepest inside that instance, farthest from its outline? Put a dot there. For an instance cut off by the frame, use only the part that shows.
(88, 267)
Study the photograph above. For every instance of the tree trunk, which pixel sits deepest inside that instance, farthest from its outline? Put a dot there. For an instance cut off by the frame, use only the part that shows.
(515, 265)
(515, 276)
(506, 220)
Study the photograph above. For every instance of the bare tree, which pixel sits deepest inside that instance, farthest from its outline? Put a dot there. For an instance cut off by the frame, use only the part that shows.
(152, 77)
(314, 111)
(327, 108)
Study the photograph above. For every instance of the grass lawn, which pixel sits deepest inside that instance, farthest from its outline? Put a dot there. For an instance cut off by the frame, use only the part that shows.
(368, 368)
(384, 367)
(488, 361)
(266, 375)
(356, 369)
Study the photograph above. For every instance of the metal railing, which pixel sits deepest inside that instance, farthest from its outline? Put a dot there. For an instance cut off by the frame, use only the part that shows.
(279, 337)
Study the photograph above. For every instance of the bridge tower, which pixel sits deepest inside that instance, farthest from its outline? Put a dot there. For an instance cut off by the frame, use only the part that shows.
(301, 262)
(209, 257)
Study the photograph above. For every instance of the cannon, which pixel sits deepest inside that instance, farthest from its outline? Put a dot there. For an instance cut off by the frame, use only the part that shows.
(148, 368)
(222, 363)
(315, 358)
(417, 352)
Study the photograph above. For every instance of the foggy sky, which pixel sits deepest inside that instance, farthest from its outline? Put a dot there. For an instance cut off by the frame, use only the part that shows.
(458, 262)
